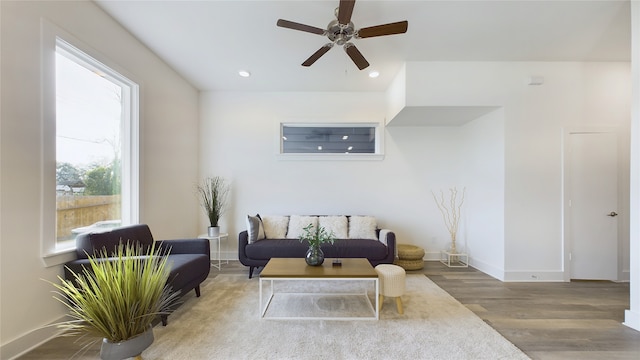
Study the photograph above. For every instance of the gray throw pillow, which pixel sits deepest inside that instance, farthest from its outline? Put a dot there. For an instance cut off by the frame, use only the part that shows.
(255, 229)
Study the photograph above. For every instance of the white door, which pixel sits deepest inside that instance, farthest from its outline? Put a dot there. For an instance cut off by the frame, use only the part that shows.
(593, 192)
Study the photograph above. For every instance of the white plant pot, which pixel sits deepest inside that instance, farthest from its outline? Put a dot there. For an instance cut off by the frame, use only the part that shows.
(213, 231)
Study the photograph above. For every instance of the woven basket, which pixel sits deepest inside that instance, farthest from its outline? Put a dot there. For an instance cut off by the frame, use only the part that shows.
(410, 252)
(410, 264)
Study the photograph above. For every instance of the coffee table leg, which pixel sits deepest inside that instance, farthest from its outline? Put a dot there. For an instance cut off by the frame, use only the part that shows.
(378, 303)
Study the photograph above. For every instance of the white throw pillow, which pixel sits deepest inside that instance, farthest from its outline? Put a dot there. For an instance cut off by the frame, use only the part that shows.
(339, 225)
(275, 226)
(362, 227)
(297, 223)
(255, 229)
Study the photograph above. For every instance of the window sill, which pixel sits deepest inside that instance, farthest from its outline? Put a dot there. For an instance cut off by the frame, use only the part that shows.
(331, 157)
(59, 257)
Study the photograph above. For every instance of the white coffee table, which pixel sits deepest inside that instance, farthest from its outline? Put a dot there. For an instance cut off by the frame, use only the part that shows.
(290, 269)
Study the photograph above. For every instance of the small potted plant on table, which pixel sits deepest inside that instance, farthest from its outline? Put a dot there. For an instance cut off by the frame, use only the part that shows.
(316, 236)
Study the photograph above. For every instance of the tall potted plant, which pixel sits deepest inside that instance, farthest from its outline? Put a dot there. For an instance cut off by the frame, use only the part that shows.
(117, 299)
(213, 197)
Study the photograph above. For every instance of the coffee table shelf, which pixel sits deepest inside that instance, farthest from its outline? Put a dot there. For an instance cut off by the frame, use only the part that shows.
(295, 269)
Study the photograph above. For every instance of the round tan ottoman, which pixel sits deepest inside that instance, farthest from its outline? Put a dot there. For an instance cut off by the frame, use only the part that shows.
(410, 257)
(392, 280)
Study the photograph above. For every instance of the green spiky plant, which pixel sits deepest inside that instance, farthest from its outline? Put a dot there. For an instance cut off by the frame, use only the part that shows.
(120, 298)
(213, 197)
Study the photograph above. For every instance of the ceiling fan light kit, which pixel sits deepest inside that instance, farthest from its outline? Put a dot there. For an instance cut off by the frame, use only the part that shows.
(341, 31)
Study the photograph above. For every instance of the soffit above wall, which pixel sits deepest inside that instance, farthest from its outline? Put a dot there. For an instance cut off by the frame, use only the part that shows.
(439, 115)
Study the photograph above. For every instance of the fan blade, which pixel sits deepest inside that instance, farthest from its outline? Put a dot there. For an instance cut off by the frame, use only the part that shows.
(345, 10)
(297, 26)
(316, 55)
(381, 30)
(356, 56)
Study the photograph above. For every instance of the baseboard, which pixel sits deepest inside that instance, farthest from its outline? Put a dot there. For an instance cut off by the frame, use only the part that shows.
(534, 276)
(30, 340)
(626, 276)
(487, 269)
(227, 255)
(431, 256)
(632, 319)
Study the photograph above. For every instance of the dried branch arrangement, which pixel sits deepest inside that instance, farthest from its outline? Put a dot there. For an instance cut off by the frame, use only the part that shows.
(450, 212)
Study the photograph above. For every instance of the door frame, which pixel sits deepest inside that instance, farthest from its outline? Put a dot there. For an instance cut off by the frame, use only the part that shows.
(566, 209)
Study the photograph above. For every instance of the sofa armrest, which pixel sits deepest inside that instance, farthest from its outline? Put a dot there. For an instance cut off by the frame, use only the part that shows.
(186, 246)
(243, 240)
(388, 238)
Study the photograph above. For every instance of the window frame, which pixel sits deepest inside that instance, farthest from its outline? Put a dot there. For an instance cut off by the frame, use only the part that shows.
(377, 155)
(53, 37)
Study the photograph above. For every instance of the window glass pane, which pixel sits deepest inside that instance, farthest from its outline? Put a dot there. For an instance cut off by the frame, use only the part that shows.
(328, 139)
(89, 119)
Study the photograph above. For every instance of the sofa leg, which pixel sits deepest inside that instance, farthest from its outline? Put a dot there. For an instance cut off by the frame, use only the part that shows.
(197, 288)
(251, 271)
(164, 319)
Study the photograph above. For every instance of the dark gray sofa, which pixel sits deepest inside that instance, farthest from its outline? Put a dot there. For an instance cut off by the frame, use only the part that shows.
(258, 253)
(189, 258)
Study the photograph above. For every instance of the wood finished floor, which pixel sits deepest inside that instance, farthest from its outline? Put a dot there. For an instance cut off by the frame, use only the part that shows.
(576, 320)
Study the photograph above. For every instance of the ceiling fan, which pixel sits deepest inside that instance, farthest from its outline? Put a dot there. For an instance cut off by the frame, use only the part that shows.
(342, 30)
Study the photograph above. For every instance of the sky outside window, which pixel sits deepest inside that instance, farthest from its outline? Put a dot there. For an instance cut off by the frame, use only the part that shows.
(88, 113)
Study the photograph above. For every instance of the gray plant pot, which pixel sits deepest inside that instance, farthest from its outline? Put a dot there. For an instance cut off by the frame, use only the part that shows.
(128, 348)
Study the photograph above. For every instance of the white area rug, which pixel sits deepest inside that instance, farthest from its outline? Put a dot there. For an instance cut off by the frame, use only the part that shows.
(224, 323)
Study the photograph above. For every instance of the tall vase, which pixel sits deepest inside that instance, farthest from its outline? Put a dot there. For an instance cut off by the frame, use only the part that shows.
(453, 249)
(315, 256)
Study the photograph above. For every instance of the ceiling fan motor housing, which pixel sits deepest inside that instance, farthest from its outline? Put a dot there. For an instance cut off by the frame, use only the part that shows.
(339, 33)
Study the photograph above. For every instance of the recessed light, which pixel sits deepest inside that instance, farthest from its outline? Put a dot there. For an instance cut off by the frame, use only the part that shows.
(350, 148)
(319, 147)
(374, 74)
(244, 73)
(345, 137)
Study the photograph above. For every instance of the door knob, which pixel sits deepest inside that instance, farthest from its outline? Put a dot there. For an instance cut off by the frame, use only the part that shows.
(612, 214)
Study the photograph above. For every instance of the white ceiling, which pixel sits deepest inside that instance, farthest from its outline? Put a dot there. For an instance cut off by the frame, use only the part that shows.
(209, 41)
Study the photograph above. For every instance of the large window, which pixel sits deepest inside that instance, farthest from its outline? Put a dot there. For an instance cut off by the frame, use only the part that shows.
(95, 117)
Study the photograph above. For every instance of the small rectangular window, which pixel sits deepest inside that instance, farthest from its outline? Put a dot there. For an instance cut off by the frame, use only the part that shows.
(333, 140)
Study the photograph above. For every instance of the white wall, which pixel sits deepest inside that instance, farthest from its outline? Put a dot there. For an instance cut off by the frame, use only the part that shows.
(522, 138)
(573, 94)
(239, 140)
(632, 315)
(483, 172)
(169, 153)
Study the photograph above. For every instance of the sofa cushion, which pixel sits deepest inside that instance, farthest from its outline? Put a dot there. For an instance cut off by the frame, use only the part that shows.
(338, 225)
(275, 227)
(362, 227)
(297, 224)
(265, 250)
(342, 248)
(355, 248)
(255, 229)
